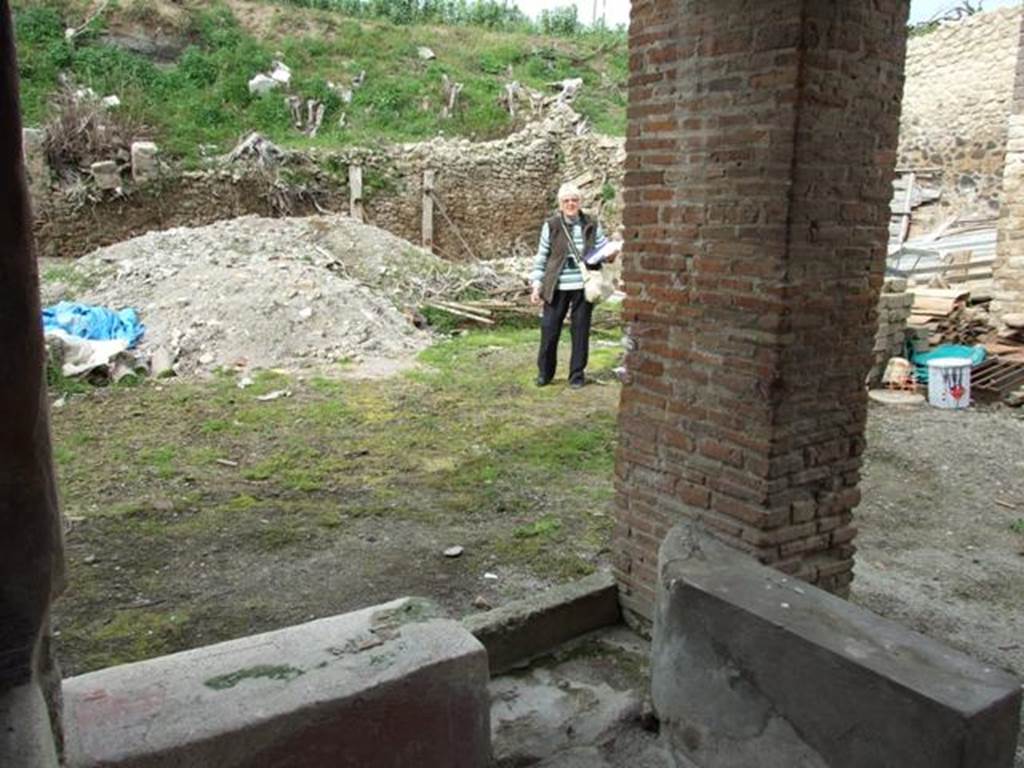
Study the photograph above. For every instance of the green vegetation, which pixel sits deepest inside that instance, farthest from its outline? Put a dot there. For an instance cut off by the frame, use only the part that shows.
(201, 513)
(271, 672)
(202, 97)
(1017, 526)
(74, 280)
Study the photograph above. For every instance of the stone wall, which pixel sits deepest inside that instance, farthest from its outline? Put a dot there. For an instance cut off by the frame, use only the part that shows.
(761, 148)
(894, 306)
(492, 196)
(1008, 271)
(959, 87)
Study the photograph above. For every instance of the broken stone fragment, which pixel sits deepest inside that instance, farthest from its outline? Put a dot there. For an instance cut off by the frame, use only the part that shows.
(1015, 320)
(425, 53)
(161, 364)
(261, 84)
(455, 551)
(33, 143)
(106, 174)
(481, 603)
(281, 73)
(145, 166)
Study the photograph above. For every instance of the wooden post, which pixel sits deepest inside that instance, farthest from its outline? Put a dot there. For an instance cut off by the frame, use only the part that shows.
(355, 189)
(428, 209)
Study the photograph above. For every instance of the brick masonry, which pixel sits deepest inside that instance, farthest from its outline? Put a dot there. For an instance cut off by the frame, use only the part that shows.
(1008, 271)
(959, 87)
(760, 150)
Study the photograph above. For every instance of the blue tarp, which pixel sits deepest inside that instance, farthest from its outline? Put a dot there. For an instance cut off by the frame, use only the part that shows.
(97, 323)
(975, 354)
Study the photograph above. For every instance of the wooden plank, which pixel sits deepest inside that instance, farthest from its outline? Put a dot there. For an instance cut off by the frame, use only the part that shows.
(933, 307)
(942, 293)
(428, 209)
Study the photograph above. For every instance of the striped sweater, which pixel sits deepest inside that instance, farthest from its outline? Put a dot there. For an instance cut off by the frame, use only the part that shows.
(570, 279)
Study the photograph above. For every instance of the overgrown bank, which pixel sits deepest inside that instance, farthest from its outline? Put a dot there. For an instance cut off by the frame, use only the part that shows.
(182, 69)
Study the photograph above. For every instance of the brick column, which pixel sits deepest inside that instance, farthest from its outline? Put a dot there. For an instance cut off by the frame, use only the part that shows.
(761, 145)
(1008, 271)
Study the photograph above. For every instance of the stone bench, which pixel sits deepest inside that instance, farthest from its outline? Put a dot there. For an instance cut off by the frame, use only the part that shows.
(384, 686)
(754, 668)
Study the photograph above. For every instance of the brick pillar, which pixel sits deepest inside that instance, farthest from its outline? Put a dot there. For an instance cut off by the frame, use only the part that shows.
(1008, 271)
(761, 146)
(31, 564)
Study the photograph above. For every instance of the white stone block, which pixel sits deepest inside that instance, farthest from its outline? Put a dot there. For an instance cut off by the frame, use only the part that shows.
(106, 174)
(281, 73)
(145, 163)
(261, 84)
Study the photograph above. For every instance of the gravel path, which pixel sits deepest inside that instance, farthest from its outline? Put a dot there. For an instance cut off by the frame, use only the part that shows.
(936, 548)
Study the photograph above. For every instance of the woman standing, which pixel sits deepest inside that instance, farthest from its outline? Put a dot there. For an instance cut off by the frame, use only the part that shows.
(558, 281)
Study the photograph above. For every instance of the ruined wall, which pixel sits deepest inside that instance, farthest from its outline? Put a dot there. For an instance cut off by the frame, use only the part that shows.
(1008, 271)
(894, 305)
(959, 87)
(493, 196)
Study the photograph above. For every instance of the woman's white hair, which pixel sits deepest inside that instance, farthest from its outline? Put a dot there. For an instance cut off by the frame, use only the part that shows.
(568, 190)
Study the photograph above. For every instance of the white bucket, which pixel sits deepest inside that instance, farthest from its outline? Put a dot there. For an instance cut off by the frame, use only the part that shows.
(949, 382)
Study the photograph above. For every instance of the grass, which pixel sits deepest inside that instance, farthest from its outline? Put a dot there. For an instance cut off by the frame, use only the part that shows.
(1017, 526)
(75, 281)
(344, 474)
(203, 98)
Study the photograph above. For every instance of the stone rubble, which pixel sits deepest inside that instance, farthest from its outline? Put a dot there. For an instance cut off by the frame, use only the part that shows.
(255, 292)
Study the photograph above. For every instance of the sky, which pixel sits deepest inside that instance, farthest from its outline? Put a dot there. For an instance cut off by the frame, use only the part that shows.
(617, 11)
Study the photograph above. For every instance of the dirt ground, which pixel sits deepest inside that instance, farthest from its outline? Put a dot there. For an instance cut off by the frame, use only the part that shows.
(199, 512)
(941, 544)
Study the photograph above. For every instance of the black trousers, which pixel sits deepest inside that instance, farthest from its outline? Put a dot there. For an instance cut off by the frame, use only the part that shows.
(551, 330)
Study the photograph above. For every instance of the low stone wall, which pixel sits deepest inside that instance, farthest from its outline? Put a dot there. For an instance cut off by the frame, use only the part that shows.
(383, 687)
(956, 101)
(894, 305)
(491, 197)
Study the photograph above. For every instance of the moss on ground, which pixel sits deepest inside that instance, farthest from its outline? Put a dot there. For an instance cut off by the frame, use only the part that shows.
(233, 512)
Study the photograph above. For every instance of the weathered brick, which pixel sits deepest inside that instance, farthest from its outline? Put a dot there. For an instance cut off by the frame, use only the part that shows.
(756, 212)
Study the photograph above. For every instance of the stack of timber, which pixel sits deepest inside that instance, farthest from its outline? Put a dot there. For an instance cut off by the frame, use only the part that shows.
(943, 316)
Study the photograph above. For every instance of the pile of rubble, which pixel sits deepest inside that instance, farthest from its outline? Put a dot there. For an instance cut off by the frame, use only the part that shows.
(267, 293)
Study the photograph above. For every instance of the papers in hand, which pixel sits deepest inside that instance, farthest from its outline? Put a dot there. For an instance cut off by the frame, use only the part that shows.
(610, 248)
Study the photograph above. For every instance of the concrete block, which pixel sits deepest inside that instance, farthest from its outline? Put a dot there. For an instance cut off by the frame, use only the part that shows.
(106, 174)
(525, 628)
(145, 165)
(384, 686)
(751, 667)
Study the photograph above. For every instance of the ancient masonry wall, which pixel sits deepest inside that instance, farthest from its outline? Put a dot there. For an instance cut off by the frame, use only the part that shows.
(492, 197)
(958, 93)
(760, 151)
(1008, 271)
(894, 306)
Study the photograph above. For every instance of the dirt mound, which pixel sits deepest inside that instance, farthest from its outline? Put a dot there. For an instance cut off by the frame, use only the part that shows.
(264, 293)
